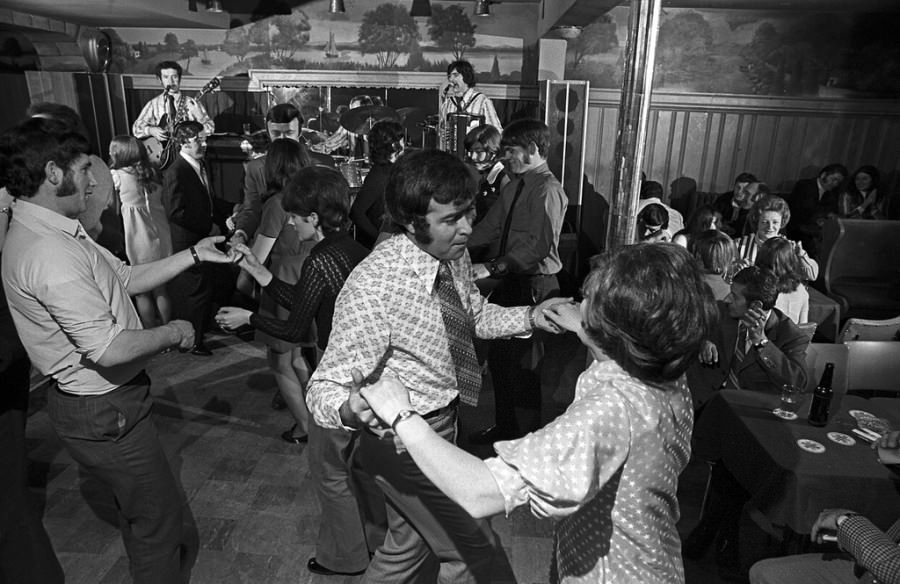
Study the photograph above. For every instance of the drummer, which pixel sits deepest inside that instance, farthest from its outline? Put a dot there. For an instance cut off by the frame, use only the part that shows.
(458, 95)
(343, 138)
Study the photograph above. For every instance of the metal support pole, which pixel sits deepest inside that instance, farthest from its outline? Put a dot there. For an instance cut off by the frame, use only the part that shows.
(631, 129)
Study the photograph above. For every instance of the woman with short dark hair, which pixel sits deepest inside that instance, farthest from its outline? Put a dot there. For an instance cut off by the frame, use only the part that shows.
(616, 453)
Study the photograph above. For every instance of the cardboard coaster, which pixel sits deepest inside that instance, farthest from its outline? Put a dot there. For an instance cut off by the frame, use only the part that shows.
(784, 414)
(841, 439)
(857, 414)
(811, 446)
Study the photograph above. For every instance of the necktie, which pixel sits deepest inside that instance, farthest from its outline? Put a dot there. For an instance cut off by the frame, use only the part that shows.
(170, 111)
(509, 214)
(459, 327)
(740, 353)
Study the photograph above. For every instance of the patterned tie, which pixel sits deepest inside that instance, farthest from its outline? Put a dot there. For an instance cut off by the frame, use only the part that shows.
(740, 353)
(459, 327)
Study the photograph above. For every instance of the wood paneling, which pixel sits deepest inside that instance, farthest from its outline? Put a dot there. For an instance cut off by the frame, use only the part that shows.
(713, 138)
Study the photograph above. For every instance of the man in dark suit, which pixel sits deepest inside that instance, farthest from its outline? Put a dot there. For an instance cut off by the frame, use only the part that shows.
(755, 346)
(188, 199)
(811, 201)
(734, 205)
(282, 121)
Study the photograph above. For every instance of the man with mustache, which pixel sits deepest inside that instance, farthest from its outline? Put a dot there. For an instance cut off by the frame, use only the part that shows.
(168, 104)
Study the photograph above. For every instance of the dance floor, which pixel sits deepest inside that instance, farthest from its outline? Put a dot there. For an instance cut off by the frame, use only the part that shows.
(253, 513)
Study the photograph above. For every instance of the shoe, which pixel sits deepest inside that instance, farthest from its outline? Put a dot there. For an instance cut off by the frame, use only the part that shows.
(289, 436)
(316, 568)
(490, 435)
(201, 350)
(278, 402)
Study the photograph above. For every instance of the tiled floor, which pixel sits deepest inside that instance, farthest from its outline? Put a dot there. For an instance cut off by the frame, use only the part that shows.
(250, 500)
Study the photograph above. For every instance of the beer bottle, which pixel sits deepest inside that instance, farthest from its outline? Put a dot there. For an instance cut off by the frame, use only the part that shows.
(821, 401)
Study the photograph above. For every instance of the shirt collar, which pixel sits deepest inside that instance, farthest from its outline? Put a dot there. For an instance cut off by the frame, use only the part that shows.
(47, 217)
(423, 264)
(192, 161)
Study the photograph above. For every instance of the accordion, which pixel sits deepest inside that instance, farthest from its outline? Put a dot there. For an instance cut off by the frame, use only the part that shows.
(456, 127)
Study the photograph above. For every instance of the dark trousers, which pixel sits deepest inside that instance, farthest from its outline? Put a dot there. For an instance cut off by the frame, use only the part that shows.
(113, 438)
(516, 380)
(192, 293)
(353, 520)
(26, 555)
(428, 534)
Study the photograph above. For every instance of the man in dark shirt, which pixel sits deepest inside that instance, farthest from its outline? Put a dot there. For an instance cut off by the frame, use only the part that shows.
(811, 202)
(735, 204)
(520, 235)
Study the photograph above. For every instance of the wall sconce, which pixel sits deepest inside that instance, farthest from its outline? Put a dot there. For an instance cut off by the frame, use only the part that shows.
(214, 5)
(420, 8)
(337, 7)
(483, 7)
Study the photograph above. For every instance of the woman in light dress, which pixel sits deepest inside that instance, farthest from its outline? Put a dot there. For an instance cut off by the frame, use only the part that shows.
(146, 227)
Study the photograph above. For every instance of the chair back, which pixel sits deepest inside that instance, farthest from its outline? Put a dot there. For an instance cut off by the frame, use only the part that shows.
(817, 355)
(861, 329)
(873, 368)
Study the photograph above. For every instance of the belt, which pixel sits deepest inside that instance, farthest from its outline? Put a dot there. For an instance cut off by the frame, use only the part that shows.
(440, 411)
(140, 379)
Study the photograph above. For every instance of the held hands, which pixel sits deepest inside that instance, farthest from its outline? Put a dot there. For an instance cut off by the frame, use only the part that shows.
(540, 315)
(387, 397)
(357, 405)
(208, 252)
(231, 317)
(827, 521)
(184, 332)
(246, 259)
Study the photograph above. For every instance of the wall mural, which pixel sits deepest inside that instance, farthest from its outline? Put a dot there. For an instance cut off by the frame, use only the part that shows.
(751, 52)
(369, 37)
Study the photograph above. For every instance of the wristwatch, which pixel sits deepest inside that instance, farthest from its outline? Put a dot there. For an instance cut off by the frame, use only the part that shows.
(402, 415)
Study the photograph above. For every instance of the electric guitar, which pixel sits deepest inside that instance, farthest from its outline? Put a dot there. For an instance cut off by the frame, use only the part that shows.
(163, 152)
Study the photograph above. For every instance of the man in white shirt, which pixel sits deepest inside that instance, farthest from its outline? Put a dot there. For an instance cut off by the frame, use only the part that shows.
(70, 301)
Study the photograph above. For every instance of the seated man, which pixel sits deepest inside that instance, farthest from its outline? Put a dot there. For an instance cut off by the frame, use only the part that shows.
(868, 555)
(755, 346)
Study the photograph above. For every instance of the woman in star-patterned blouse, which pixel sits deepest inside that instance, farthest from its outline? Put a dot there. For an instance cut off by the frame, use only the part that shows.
(608, 467)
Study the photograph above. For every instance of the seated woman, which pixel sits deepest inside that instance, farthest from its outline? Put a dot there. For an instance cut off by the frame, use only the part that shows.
(618, 449)
(768, 218)
(715, 252)
(781, 258)
(386, 144)
(653, 224)
(317, 200)
(861, 199)
(704, 218)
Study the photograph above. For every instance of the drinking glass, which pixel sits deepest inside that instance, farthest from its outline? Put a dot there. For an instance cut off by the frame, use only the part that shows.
(790, 399)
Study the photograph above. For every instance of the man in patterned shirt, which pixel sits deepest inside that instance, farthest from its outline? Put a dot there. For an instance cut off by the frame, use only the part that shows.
(870, 555)
(392, 317)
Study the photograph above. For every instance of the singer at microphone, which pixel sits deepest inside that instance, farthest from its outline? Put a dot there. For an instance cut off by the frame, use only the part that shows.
(458, 95)
(148, 123)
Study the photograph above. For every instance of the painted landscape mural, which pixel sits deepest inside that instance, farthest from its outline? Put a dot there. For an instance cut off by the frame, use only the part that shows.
(370, 36)
(775, 53)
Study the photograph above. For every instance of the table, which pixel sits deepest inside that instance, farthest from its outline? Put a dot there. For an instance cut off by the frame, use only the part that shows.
(825, 312)
(788, 485)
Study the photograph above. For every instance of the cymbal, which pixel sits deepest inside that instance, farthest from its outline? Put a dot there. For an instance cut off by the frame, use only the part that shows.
(360, 120)
(411, 116)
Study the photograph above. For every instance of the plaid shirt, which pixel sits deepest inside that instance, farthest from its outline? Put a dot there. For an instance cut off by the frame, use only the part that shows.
(874, 551)
(388, 318)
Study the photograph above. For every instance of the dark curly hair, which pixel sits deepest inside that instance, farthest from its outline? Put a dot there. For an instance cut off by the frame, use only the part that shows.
(417, 178)
(759, 284)
(320, 190)
(384, 141)
(648, 308)
(26, 149)
(465, 69)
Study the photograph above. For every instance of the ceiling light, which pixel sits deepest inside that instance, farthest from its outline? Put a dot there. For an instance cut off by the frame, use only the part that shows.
(214, 5)
(420, 8)
(482, 7)
(336, 7)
